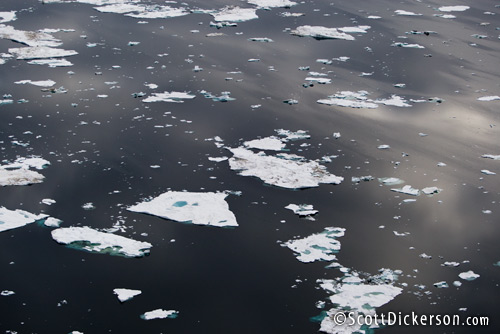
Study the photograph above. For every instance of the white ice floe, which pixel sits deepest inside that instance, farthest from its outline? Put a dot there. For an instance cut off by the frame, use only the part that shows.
(489, 98)
(283, 170)
(293, 135)
(383, 147)
(272, 3)
(394, 100)
(40, 52)
(18, 173)
(408, 45)
(408, 190)
(51, 62)
(453, 8)
(322, 81)
(406, 13)
(126, 294)
(218, 159)
(491, 156)
(349, 99)
(190, 207)
(261, 39)
(320, 32)
(441, 285)
(159, 314)
(119, 8)
(6, 293)
(235, 14)
(317, 247)
(177, 97)
(10, 219)
(39, 83)
(487, 172)
(268, 143)
(30, 38)
(88, 239)
(158, 12)
(302, 209)
(7, 16)
(52, 222)
(431, 190)
(468, 275)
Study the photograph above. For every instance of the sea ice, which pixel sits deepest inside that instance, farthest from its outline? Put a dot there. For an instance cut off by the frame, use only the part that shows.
(491, 156)
(126, 294)
(177, 97)
(302, 209)
(6, 293)
(39, 83)
(19, 177)
(489, 98)
(295, 135)
(487, 172)
(468, 275)
(159, 314)
(190, 207)
(283, 170)
(51, 62)
(235, 14)
(431, 190)
(453, 8)
(406, 13)
(7, 16)
(407, 45)
(38, 52)
(317, 247)
(10, 219)
(30, 38)
(394, 100)
(88, 239)
(319, 32)
(272, 3)
(268, 143)
(408, 190)
(441, 285)
(52, 222)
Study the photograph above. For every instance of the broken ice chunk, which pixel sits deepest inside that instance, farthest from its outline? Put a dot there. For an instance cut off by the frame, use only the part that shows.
(10, 219)
(302, 209)
(224, 97)
(453, 8)
(126, 294)
(268, 143)
(390, 181)
(317, 247)
(190, 207)
(40, 52)
(394, 100)
(160, 314)
(19, 177)
(408, 190)
(52, 222)
(90, 240)
(235, 14)
(261, 39)
(441, 285)
(6, 293)
(319, 32)
(468, 275)
(406, 13)
(294, 135)
(177, 97)
(407, 45)
(487, 172)
(7, 16)
(383, 147)
(431, 190)
(29, 38)
(51, 62)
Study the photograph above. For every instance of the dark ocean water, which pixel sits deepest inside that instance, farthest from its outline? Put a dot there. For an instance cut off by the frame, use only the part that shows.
(241, 280)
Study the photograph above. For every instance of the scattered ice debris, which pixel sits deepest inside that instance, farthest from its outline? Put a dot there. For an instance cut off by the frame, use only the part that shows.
(390, 181)
(29, 38)
(51, 62)
(317, 247)
(407, 45)
(40, 52)
(10, 219)
(297, 135)
(431, 190)
(487, 172)
(336, 135)
(190, 207)
(177, 97)
(491, 156)
(302, 210)
(235, 14)
(52, 222)
(126, 294)
(88, 206)
(408, 190)
(261, 39)
(406, 13)
(39, 83)
(224, 97)
(383, 147)
(453, 8)
(283, 170)
(268, 143)
(488, 98)
(272, 3)
(7, 16)
(90, 240)
(132, 43)
(441, 285)
(320, 32)
(468, 275)
(160, 314)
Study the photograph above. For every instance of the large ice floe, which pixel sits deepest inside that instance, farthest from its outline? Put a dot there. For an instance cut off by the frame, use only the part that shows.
(30, 38)
(282, 170)
(177, 97)
(10, 219)
(19, 174)
(160, 314)
(320, 32)
(7, 16)
(40, 52)
(235, 14)
(198, 208)
(90, 240)
(317, 247)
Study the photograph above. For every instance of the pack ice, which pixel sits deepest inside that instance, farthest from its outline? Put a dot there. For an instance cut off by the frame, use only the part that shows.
(190, 207)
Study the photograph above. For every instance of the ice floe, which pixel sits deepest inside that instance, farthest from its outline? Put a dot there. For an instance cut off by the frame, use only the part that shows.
(18, 173)
(293, 135)
(491, 156)
(441, 285)
(272, 3)
(177, 97)
(408, 190)
(30, 38)
(198, 208)
(468, 275)
(408, 45)
(7, 16)
(39, 83)
(320, 32)
(453, 8)
(52, 222)
(394, 100)
(406, 13)
(283, 170)
(88, 239)
(317, 247)
(10, 219)
(51, 62)
(349, 99)
(268, 143)
(40, 52)
(126, 294)
(141, 11)
(302, 210)
(6, 293)
(160, 314)
(431, 190)
(487, 172)
(235, 14)
(489, 98)
(224, 96)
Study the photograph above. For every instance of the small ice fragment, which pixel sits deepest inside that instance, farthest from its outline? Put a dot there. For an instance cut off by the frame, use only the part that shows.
(291, 101)
(40, 52)
(131, 43)
(40, 83)
(390, 181)
(441, 285)
(491, 156)
(319, 32)
(441, 164)
(218, 159)
(457, 283)
(487, 172)
(425, 256)
(451, 264)
(88, 206)
(468, 275)
(261, 39)
(234, 14)
(453, 8)
(126, 294)
(159, 314)
(406, 13)
(272, 3)
(487, 212)
(400, 85)
(408, 190)
(302, 209)
(291, 135)
(336, 135)
(407, 45)
(6, 293)
(394, 100)
(177, 97)
(431, 190)
(383, 147)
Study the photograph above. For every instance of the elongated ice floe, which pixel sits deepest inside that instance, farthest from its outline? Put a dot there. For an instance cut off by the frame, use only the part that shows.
(302, 209)
(51, 62)
(126, 294)
(190, 207)
(408, 45)
(40, 52)
(317, 247)
(272, 3)
(453, 8)
(90, 240)
(39, 83)
(160, 314)
(292, 135)
(319, 32)
(158, 12)
(488, 98)
(10, 219)
(408, 190)
(235, 14)
(268, 143)
(177, 97)
(491, 156)
(283, 170)
(406, 13)
(30, 38)
(7, 16)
